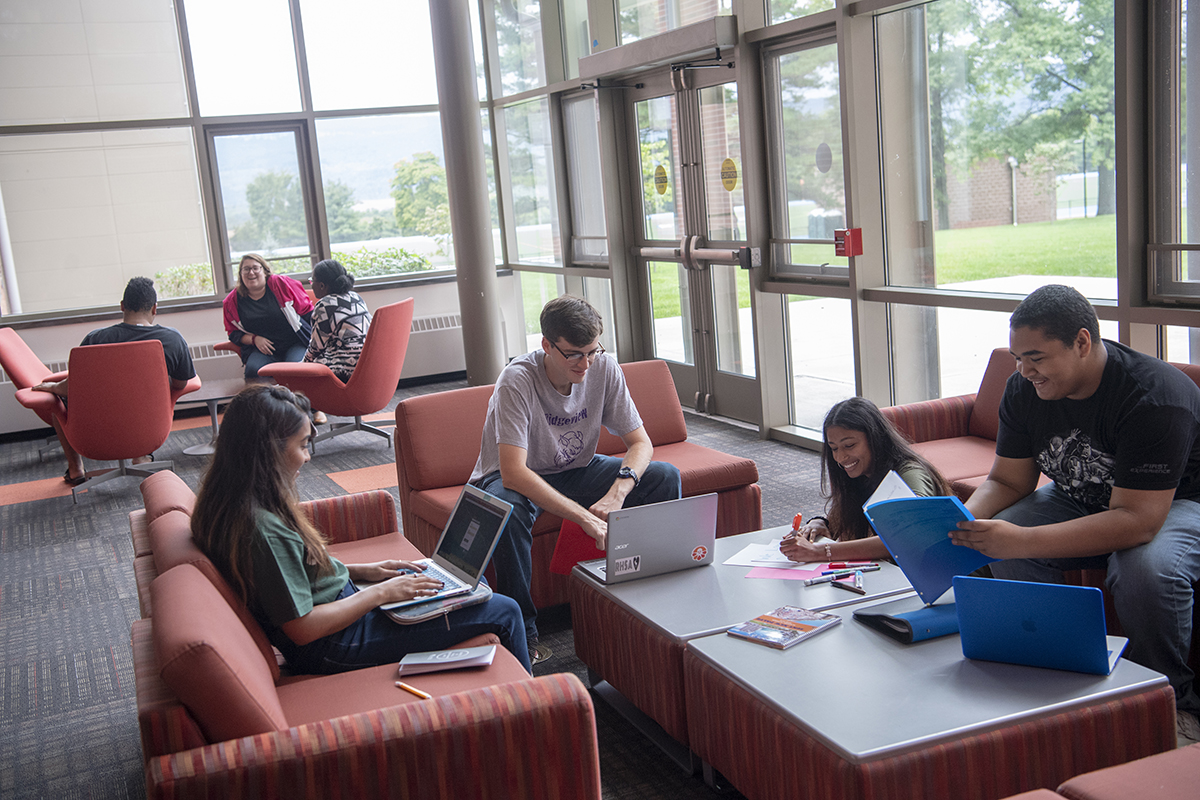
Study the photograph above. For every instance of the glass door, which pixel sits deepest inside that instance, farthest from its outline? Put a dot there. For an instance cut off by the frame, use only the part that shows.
(688, 156)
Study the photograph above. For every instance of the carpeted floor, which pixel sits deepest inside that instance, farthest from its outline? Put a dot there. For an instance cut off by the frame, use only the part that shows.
(68, 598)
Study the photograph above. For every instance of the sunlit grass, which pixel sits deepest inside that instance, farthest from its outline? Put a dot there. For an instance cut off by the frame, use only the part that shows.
(1085, 247)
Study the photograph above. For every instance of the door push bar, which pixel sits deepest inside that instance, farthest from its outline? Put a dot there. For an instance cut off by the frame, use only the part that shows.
(695, 256)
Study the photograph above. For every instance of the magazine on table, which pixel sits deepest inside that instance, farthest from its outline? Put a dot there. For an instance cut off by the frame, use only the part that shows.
(785, 626)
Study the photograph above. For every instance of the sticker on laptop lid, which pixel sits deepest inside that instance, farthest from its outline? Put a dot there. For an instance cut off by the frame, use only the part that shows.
(700, 553)
(624, 566)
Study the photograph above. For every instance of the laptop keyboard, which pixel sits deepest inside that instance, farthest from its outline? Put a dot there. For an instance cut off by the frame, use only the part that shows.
(448, 581)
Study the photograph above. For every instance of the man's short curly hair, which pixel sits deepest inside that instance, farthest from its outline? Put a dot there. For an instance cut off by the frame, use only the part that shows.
(573, 319)
(139, 295)
(1059, 312)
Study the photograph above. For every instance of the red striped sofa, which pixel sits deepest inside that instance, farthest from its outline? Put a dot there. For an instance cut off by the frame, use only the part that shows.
(1171, 775)
(437, 444)
(218, 716)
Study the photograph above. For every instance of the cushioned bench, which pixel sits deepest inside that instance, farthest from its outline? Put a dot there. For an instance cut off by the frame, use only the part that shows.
(437, 444)
(219, 718)
(1171, 775)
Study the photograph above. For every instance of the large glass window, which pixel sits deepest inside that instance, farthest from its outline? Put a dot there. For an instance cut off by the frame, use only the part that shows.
(671, 308)
(658, 154)
(243, 74)
(537, 289)
(531, 172)
(782, 10)
(384, 184)
(88, 211)
(589, 234)
(86, 62)
(642, 18)
(808, 196)
(352, 53)
(519, 45)
(999, 136)
(263, 197)
(722, 148)
(820, 356)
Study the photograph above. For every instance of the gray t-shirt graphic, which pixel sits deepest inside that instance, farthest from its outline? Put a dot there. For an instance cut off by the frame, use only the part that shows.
(557, 432)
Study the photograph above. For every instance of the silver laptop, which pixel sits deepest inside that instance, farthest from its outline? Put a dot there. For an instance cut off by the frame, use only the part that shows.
(657, 538)
(465, 546)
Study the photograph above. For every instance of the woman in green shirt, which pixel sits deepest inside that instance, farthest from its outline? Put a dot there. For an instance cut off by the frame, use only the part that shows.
(861, 447)
(248, 522)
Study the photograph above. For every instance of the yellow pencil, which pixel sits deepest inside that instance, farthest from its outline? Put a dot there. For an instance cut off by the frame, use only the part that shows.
(413, 690)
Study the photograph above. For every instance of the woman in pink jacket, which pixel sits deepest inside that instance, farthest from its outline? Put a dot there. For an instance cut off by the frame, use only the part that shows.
(268, 316)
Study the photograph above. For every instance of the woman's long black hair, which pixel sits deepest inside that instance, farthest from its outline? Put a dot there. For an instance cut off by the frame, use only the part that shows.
(248, 473)
(889, 450)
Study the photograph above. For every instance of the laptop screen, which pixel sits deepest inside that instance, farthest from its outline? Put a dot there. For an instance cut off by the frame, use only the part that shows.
(469, 536)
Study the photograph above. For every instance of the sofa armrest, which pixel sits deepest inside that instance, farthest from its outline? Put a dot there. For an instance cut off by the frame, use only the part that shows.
(533, 737)
(946, 418)
(349, 518)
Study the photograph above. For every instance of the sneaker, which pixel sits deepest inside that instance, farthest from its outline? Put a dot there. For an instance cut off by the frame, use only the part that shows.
(1187, 729)
(538, 652)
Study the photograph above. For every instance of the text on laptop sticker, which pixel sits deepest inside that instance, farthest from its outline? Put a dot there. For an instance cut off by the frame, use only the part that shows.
(700, 553)
(624, 566)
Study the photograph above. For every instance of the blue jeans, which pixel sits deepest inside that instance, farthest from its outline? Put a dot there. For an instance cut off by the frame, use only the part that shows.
(256, 359)
(375, 639)
(1151, 584)
(513, 556)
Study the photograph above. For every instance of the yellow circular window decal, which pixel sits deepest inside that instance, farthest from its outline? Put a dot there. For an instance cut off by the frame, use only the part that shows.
(729, 174)
(660, 179)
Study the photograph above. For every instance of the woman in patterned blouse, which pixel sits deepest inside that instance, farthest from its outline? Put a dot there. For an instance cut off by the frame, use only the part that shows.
(339, 321)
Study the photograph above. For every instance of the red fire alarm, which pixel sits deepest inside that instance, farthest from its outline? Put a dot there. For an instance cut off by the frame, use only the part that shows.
(847, 242)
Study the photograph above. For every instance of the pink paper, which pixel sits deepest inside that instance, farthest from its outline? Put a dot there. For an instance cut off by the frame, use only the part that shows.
(787, 574)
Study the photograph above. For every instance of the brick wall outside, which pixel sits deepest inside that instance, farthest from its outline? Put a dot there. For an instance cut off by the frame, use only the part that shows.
(984, 197)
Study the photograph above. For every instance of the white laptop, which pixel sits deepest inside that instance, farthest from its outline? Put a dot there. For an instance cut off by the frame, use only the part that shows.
(466, 545)
(657, 538)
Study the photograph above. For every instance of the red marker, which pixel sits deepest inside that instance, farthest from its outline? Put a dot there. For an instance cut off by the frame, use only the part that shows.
(796, 521)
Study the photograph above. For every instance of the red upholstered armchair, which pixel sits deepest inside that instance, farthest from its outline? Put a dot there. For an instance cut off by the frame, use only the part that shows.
(121, 406)
(26, 370)
(373, 382)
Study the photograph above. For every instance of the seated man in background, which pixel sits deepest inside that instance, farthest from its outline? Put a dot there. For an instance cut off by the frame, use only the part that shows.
(1118, 433)
(539, 445)
(139, 306)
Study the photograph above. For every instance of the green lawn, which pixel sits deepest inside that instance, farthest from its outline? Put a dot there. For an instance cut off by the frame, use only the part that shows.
(1085, 247)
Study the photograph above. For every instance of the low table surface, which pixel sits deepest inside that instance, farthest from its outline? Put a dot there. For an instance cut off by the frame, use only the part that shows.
(706, 600)
(892, 698)
(223, 389)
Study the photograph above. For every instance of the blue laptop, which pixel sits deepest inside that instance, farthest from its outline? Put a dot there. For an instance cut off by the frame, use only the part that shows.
(1035, 624)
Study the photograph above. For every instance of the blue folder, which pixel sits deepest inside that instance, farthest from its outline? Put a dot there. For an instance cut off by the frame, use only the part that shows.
(916, 531)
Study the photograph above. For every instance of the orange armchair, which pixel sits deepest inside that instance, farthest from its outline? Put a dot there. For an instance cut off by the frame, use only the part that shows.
(373, 382)
(26, 370)
(121, 406)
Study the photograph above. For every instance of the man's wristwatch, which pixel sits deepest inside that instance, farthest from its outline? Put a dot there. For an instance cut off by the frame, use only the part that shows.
(626, 472)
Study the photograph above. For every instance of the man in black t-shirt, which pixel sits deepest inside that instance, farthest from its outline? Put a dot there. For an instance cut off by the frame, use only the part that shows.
(139, 306)
(1118, 433)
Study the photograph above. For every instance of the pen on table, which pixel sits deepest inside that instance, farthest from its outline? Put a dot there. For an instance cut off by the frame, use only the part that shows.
(413, 690)
(822, 579)
(850, 570)
(858, 579)
(851, 564)
(849, 587)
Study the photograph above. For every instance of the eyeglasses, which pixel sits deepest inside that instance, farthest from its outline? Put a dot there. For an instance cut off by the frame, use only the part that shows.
(254, 270)
(575, 358)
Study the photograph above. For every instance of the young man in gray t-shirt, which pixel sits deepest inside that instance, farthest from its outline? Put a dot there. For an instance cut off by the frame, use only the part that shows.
(539, 445)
